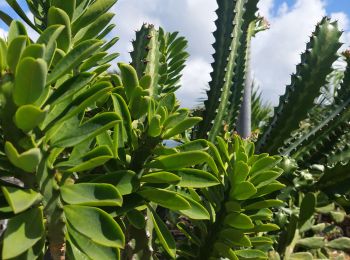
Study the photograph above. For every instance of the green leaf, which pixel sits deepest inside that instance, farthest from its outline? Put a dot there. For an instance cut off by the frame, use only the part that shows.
(68, 6)
(274, 186)
(161, 177)
(129, 79)
(126, 181)
(49, 37)
(136, 218)
(261, 241)
(73, 59)
(94, 158)
(3, 54)
(17, 29)
(266, 228)
(70, 87)
(241, 171)
(91, 194)
(35, 51)
(28, 117)
(311, 242)
(15, 50)
(235, 237)
(20, 199)
(179, 160)
(264, 178)
(30, 81)
(251, 254)
(193, 178)
(95, 224)
(165, 198)
(27, 161)
(225, 251)
(182, 126)
(57, 16)
(342, 243)
(95, 10)
(69, 137)
(242, 191)
(89, 247)
(196, 210)
(95, 28)
(264, 204)
(264, 164)
(163, 234)
(301, 256)
(307, 208)
(239, 221)
(24, 231)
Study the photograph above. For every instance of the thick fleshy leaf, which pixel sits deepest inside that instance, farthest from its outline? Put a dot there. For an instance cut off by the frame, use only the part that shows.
(94, 11)
(95, 28)
(193, 178)
(307, 208)
(163, 234)
(27, 161)
(251, 254)
(14, 52)
(94, 158)
(301, 256)
(28, 117)
(35, 51)
(49, 37)
(68, 137)
(165, 198)
(73, 59)
(239, 221)
(264, 164)
(264, 204)
(342, 243)
(20, 199)
(95, 224)
(57, 16)
(91, 249)
(136, 218)
(129, 78)
(242, 191)
(311, 242)
(197, 211)
(91, 194)
(125, 181)
(241, 171)
(24, 231)
(30, 81)
(161, 177)
(179, 160)
(235, 237)
(182, 126)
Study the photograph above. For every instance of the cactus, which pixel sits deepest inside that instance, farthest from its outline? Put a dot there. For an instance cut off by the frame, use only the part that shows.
(161, 55)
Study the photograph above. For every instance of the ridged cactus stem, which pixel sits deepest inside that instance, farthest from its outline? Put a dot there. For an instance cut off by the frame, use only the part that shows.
(244, 121)
(229, 71)
(316, 64)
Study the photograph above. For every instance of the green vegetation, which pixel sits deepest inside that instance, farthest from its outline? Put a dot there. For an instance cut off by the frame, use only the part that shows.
(86, 172)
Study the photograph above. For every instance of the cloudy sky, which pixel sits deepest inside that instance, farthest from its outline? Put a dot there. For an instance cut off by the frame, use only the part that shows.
(274, 52)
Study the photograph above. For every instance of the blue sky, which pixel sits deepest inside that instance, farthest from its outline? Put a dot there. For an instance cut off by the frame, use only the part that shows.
(274, 52)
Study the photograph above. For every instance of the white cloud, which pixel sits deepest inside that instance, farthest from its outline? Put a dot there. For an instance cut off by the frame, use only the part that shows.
(195, 79)
(276, 52)
(3, 33)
